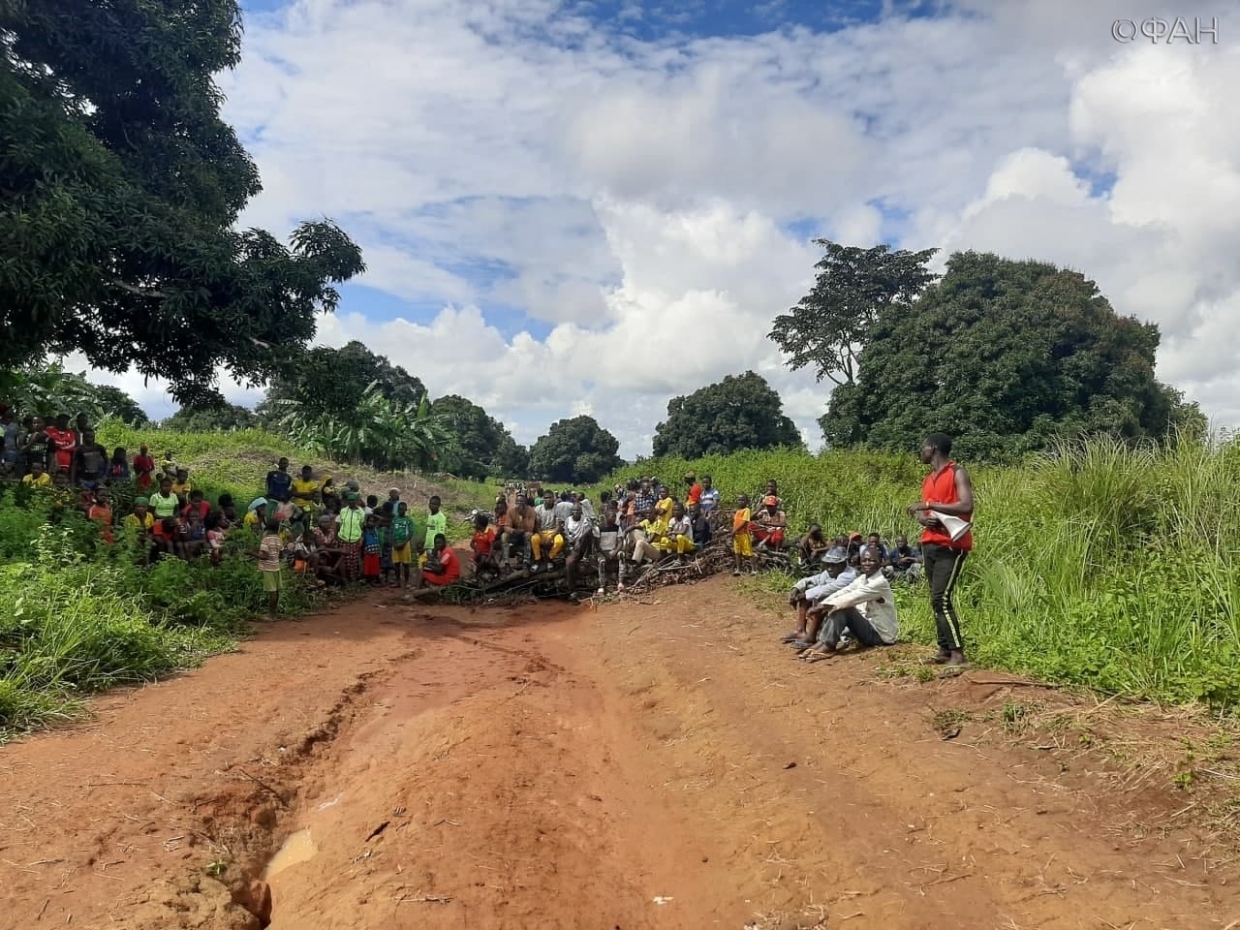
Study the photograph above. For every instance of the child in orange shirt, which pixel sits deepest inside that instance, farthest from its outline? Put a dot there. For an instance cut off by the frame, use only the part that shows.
(483, 544)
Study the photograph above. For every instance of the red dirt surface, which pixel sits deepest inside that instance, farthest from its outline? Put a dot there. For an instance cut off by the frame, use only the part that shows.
(632, 766)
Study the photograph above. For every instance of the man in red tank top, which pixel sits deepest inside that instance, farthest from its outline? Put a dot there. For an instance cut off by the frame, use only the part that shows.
(947, 490)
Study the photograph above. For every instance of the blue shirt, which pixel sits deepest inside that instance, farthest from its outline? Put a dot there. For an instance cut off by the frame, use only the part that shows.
(279, 483)
(709, 499)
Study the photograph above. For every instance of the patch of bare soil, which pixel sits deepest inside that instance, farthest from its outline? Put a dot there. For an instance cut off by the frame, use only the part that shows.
(665, 764)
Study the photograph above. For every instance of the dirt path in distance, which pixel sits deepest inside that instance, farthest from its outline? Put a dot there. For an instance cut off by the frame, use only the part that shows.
(663, 765)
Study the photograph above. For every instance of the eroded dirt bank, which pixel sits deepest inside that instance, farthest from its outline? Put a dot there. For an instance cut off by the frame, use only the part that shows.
(657, 765)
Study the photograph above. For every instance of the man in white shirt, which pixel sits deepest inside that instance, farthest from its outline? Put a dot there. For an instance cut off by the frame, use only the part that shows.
(807, 592)
(865, 608)
(579, 534)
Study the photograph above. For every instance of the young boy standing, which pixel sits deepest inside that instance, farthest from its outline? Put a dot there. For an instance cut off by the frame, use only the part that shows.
(742, 538)
(402, 543)
(270, 551)
(436, 524)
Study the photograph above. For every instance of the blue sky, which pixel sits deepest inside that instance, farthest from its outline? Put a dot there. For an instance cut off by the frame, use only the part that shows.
(591, 207)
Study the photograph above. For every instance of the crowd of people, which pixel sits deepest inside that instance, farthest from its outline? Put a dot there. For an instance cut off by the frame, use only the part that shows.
(329, 534)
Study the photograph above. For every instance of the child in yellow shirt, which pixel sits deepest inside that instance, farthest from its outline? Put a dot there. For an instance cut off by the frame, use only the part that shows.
(742, 535)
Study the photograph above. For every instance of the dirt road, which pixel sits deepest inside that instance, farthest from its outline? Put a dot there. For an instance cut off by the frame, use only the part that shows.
(661, 765)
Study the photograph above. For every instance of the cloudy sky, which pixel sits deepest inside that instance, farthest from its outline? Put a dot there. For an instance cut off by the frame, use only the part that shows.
(591, 206)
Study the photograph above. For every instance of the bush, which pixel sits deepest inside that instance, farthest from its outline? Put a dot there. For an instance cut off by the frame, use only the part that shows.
(1100, 564)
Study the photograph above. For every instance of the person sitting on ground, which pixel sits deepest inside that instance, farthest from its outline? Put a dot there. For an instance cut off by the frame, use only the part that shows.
(680, 533)
(164, 503)
(866, 609)
(216, 534)
(771, 523)
(90, 461)
(289, 515)
(806, 593)
(550, 533)
(197, 504)
(181, 485)
(436, 523)
(610, 550)
(139, 528)
(742, 536)
(587, 508)
(100, 512)
(306, 490)
(118, 468)
(855, 544)
(329, 557)
(256, 515)
(772, 490)
(812, 545)
(905, 560)
(656, 528)
(38, 477)
(580, 533)
(194, 534)
(227, 512)
(279, 481)
(702, 530)
(563, 505)
(484, 546)
(164, 537)
(875, 542)
(402, 532)
(443, 567)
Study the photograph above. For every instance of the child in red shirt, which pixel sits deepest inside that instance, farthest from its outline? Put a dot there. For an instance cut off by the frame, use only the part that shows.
(483, 544)
(444, 567)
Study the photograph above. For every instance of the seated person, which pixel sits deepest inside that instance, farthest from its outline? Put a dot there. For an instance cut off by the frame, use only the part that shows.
(483, 545)
(905, 560)
(610, 550)
(812, 545)
(836, 575)
(329, 557)
(519, 530)
(770, 524)
(580, 533)
(772, 490)
(655, 541)
(865, 608)
(875, 542)
(197, 504)
(443, 567)
(680, 533)
(38, 477)
(549, 533)
(181, 486)
(702, 531)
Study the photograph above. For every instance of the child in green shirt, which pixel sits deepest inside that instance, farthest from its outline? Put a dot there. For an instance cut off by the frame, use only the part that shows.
(436, 524)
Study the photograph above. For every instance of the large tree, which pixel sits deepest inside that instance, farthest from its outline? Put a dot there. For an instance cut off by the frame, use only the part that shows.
(739, 412)
(211, 418)
(486, 447)
(830, 325)
(576, 451)
(119, 189)
(331, 382)
(1005, 356)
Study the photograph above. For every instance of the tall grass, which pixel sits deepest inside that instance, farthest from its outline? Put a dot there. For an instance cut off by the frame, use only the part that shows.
(1100, 565)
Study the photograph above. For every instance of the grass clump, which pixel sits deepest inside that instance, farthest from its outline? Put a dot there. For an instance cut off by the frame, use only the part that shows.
(1103, 565)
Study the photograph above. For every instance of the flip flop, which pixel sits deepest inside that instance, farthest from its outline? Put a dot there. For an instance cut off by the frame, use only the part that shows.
(818, 655)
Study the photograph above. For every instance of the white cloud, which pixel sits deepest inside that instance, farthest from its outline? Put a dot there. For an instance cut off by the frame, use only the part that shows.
(635, 196)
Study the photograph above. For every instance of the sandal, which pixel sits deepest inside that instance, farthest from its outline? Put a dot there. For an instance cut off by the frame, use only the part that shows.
(818, 655)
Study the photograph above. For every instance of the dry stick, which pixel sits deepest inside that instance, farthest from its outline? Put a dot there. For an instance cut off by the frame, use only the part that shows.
(265, 786)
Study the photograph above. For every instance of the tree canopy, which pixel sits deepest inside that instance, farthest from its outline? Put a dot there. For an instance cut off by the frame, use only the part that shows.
(331, 382)
(739, 412)
(211, 418)
(830, 325)
(48, 391)
(484, 444)
(119, 189)
(576, 451)
(1005, 356)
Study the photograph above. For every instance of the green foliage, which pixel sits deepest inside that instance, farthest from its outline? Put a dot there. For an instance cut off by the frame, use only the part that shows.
(120, 188)
(739, 412)
(1100, 564)
(576, 451)
(1006, 357)
(486, 447)
(326, 382)
(853, 287)
(48, 390)
(209, 418)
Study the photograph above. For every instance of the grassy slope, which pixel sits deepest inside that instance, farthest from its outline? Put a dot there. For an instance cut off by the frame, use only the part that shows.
(82, 617)
(1105, 567)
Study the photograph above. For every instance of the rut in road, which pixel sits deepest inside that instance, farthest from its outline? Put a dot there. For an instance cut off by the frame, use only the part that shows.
(640, 765)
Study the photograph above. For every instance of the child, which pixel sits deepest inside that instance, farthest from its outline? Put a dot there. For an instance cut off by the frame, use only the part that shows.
(197, 504)
(442, 567)
(742, 538)
(385, 543)
(371, 565)
(402, 543)
(215, 536)
(143, 467)
(140, 527)
(118, 468)
(483, 544)
(38, 477)
(436, 523)
(270, 551)
(101, 512)
(164, 534)
(195, 537)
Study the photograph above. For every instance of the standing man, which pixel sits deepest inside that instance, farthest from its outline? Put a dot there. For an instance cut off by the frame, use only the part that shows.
(948, 490)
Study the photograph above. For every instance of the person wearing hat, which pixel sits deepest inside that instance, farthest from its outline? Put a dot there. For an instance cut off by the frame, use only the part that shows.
(865, 608)
(770, 524)
(807, 592)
